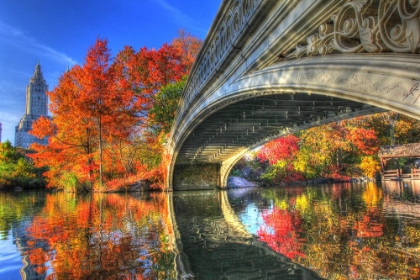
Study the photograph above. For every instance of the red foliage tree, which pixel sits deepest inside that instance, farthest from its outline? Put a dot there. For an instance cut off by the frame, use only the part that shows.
(365, 140)
(279, 149)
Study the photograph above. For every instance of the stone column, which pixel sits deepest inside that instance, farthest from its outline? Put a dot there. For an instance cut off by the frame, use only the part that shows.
(196, 177)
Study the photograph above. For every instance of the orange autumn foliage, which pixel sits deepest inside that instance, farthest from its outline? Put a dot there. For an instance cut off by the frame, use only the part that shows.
(100, 114)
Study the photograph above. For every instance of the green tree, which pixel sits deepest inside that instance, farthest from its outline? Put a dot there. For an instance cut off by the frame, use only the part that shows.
(17, 170)
(166, 102)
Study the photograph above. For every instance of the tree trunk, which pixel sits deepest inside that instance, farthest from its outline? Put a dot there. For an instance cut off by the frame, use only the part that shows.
(100, 152)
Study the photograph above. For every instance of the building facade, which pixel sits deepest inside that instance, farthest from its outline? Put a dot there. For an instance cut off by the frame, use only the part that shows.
(36, 106)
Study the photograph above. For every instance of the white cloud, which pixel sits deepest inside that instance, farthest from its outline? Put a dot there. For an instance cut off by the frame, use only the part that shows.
(9, 30)
(15, 37)
(179, 15)
(12, 72)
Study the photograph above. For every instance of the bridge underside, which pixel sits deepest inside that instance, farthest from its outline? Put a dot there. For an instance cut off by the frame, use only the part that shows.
(223, 137)
(250, 121)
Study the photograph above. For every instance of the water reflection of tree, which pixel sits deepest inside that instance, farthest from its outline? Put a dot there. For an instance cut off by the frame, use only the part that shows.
(102, 235)
(14, 207)
(340, 233)
(282, 232)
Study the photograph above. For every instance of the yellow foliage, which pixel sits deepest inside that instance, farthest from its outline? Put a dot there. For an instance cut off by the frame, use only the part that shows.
(369, 166)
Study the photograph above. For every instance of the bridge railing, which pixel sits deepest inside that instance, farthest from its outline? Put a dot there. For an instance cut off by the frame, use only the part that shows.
(231, 20)
(392, 174)
(415, 174)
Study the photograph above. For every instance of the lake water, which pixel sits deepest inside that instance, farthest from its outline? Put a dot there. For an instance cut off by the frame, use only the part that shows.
(342, 231)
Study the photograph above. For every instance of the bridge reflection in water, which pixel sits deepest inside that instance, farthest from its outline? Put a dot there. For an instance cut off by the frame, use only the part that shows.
(343, 231)
(219, 247)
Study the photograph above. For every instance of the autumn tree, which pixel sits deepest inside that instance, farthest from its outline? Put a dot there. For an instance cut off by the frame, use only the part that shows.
(283, 148)
(391, 126)
(168, 70)
(89, 106)
(101, 114)
(322, 150)
(98, 97)
(280, 154)
(334, 150)
(68, 154)
(187, 47)
(370, 166)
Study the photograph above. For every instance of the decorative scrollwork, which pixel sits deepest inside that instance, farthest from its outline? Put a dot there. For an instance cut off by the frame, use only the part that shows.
(367, 26)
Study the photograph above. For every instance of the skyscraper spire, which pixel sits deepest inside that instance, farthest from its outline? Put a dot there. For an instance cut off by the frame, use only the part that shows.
(38, 72)
(36, 106)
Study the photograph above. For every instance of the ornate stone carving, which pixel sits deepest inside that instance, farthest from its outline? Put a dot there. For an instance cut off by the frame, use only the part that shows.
(367, 26)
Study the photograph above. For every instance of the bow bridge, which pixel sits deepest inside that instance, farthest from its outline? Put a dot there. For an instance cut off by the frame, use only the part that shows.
(269, 68)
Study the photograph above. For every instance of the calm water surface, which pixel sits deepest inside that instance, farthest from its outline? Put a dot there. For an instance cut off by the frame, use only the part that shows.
(346, 231)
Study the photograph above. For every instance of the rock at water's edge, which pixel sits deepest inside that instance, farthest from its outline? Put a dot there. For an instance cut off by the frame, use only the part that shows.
(238, 182)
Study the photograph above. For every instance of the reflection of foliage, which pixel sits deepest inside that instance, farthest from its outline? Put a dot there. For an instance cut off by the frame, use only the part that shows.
(282, 232)
(372, 195)
(302, 203)
(14, 207)
(282, 228)
(102, 235)
(368, 225)
(341, 232)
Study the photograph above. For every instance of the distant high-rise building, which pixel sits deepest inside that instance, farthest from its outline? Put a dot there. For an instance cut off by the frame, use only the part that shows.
(36, 106)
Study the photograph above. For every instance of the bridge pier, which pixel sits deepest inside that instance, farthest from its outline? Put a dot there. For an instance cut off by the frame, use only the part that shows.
(201, 176)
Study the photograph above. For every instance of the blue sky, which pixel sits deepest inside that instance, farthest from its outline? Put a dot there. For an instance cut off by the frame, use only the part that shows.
(58, 33)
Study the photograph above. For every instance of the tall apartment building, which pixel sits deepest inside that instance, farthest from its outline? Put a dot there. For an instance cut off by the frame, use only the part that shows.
(36, 106)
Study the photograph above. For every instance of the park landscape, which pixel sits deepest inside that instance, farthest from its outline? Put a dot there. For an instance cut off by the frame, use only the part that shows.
(132, 180)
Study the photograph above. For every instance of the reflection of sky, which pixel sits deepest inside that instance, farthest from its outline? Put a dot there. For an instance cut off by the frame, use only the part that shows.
(10, 259)
(251, 217)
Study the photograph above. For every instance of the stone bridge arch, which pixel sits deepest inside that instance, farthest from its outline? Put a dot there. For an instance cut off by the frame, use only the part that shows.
(363, 60)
